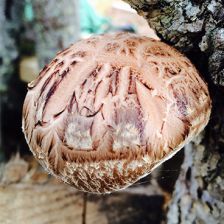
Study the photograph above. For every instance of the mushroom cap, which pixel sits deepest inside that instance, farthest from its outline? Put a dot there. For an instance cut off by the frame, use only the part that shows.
(109, 109)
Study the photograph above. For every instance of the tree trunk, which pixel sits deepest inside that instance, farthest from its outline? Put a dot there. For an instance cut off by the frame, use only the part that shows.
(56, 27)
(8, 52)
(10, 11)
(197, 29)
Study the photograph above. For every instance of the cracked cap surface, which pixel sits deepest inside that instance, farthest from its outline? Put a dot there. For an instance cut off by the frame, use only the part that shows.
(109, 109)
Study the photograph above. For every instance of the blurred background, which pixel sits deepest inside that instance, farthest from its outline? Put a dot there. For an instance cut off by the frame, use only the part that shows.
(31, 33)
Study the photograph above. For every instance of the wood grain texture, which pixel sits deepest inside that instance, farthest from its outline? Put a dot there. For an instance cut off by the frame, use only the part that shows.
(50, 204)
(39, 204)
(30, 196)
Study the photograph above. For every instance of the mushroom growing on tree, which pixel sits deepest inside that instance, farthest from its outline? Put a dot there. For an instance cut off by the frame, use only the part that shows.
(109, 109)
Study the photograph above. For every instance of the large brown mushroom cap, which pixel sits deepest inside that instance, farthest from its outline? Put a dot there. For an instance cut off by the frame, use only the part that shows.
(108, 110)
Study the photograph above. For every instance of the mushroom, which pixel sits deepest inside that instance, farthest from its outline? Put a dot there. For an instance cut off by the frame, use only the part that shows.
(109, 109)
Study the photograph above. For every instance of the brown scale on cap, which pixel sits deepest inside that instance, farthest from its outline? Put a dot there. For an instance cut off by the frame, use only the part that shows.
(108, 110)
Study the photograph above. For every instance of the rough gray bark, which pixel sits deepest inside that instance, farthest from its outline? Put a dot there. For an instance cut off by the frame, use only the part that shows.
(196, 28)
(56, 27)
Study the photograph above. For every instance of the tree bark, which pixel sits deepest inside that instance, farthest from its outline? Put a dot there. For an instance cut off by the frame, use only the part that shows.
(8, 51)
(10, 11)
(56, 27)
(197, 29)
